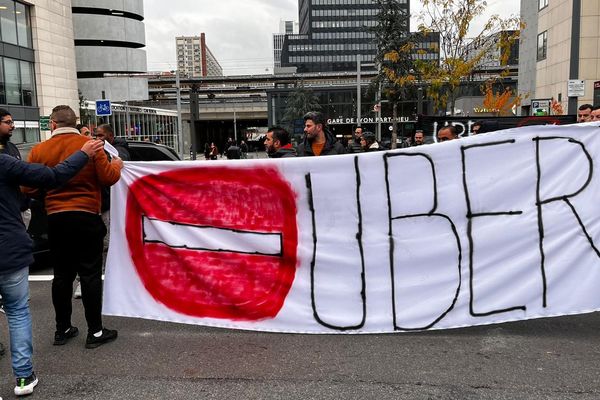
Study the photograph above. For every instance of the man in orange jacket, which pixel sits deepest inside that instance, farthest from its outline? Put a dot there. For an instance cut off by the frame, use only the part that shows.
(75, 228)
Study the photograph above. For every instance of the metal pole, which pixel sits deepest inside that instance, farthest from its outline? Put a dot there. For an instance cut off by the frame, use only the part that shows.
(234, 125)
(358, 90)
(379, 113)
(127, 118)
(179, 122)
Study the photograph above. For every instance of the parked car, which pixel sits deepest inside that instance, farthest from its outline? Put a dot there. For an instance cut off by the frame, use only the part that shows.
(38, 225)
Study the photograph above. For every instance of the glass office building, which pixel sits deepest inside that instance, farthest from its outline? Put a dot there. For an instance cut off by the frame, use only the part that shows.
(332, 34)
(17, 72)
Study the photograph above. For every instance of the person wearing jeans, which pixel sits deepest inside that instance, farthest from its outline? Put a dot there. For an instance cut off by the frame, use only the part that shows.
(75, 229)
(16, 248)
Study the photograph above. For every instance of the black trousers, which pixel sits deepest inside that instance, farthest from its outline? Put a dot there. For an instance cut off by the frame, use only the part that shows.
(76, 244)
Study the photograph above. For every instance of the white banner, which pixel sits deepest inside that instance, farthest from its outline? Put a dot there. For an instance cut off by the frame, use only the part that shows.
(488, 229)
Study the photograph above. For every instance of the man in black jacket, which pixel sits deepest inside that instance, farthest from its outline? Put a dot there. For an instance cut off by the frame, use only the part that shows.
(318, 141)
(277, 143)
(16, 247)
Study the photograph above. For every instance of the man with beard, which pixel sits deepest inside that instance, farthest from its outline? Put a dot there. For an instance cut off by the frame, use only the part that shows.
(318, 141)
(277, 143)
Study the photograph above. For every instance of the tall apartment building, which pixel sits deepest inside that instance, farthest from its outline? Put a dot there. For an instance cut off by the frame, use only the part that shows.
(109, 39)
(285, 28)
(194, 58)
(559, 45)
(332, 34)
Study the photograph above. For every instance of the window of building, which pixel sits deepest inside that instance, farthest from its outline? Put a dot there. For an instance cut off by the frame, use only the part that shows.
(8, 22)
(542, 4)
(23, 27)
(27, 84)
(542, 45)
(12, 81)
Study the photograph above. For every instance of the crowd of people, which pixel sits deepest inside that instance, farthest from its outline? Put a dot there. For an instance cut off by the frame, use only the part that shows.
(318, 140)
(71, 174)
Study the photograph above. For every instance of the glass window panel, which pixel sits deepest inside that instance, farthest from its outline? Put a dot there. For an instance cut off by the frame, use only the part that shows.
(8, 22)
(18, 136)
(32, 135)
(12, 80)
(23, 28)
(2, 91)
(27, 85)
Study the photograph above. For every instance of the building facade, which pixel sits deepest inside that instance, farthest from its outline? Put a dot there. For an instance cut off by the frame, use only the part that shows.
(332, 34)
(37, 63)
(494, 55)
(194, 58)
(567, 55)
(109, 41)
(285, 28)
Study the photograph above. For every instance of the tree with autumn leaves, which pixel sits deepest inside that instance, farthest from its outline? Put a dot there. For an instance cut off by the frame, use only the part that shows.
(461, 49)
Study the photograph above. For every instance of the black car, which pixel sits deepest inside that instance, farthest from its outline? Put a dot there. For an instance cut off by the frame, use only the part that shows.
(38, 225)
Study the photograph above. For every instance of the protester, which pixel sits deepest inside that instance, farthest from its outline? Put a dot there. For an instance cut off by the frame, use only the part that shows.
(7, 126)
(244, 149)
(84, 130)
(206, 151)
(75, 229)
(278, 143)
(368, 142)
(106, 133)
(419, 138)
(354, 145)
(485, 126)
(447, 133)
(595, 116)
(233, 152)
(214, 152)
(318, 141)
(16, 250)
(584, 114)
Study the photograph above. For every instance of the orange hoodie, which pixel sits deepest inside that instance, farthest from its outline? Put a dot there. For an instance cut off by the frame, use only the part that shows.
(82, 193)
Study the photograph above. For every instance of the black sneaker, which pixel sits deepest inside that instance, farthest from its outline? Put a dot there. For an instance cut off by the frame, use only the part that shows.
(108, 335)
(25, 385)
(61, 338)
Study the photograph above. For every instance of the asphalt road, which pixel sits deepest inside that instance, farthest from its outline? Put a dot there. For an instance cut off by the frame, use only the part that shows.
(543, 359)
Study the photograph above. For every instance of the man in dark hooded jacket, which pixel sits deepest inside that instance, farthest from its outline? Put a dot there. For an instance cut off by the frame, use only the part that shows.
(277, 143)
(16, 247)
(318, 141)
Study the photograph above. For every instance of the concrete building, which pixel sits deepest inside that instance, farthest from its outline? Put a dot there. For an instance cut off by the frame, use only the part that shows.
(194, 58)
(109, 39)
(37, 62)
(285, 28)
(561, 39)
(494, 56)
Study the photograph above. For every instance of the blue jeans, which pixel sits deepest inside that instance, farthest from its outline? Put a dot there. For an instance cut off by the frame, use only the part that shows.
(14, 288)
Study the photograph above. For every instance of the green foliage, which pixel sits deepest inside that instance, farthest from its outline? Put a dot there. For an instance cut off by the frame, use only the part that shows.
(299, 102)
(461, 49)
(85, 116)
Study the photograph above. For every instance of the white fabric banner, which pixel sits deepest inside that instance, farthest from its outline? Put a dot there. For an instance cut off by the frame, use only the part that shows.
(492, 228)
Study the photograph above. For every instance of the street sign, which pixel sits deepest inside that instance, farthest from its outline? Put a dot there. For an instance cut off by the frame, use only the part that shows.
(540, 107)
(44, 123)
(103, 108)
(576, 88)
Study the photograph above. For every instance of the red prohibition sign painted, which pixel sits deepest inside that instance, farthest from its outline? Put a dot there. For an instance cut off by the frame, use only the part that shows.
(215, 242)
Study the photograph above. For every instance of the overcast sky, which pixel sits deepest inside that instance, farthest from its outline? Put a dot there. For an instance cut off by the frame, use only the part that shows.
(238, 32)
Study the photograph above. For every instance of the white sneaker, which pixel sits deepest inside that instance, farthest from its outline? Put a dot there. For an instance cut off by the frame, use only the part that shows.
(77, 294)
(25, 385)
